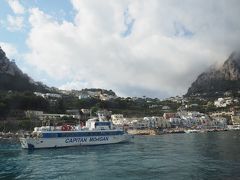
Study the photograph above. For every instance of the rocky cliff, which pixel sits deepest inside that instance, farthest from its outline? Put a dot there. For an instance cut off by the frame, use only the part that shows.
(218, 80)
(12, 78)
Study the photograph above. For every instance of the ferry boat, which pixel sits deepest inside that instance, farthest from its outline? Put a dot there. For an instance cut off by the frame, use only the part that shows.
(94, 133)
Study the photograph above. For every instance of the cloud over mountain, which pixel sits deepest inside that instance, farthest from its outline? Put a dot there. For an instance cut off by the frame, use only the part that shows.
(153, 48)
(218, 80)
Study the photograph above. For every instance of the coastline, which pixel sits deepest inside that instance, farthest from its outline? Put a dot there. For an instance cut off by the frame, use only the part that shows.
(153, 132)
(137, 132)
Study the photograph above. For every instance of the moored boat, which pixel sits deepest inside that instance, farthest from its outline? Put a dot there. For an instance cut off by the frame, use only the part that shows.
(94, 133)
(192, 131)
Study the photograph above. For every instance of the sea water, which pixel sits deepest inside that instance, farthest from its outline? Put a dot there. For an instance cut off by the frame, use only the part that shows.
(214, 155)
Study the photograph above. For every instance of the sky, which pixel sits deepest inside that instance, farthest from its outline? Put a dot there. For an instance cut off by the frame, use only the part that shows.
(153, 48)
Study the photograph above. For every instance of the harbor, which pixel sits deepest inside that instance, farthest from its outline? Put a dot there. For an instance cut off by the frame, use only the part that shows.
(191, 156)
(138, 132)
(119, 90)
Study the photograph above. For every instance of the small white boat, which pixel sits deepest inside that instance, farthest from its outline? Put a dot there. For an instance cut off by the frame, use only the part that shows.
(192, 131)
(94, 133)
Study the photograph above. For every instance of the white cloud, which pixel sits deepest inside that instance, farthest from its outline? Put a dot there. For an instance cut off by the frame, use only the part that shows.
(16, 7)
(14, 23)
(9, 49)
(169, 44)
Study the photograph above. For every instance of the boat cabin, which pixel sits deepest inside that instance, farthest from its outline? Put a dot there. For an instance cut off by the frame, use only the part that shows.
(94, 124)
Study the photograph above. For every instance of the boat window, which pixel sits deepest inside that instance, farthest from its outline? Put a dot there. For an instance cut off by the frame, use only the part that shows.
(79, 134)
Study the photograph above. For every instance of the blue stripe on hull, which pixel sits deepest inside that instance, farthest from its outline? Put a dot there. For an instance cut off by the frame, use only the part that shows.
(80, 134)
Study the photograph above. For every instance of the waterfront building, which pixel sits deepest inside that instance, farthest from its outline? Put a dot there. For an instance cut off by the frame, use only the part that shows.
(223, 113)
(235, 119)
(148, 122)
(131, 122)
(169, 115)
(163, 123)
(176, 122)
(151, 122)
(118, 119)
(139, 124)
(31, 114)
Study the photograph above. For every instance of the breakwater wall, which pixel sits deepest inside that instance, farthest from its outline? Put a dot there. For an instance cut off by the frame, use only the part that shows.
(142, 132)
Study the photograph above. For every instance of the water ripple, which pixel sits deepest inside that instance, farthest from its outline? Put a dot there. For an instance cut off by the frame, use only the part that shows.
(173, 156)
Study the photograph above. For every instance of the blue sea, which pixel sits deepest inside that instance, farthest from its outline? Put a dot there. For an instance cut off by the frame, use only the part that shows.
(214, 155)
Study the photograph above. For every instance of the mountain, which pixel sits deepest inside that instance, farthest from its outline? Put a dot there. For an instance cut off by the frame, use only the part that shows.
(218, 80)
(12, 78)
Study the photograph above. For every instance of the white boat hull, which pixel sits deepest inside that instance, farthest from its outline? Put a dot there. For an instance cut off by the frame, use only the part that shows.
(36, 143)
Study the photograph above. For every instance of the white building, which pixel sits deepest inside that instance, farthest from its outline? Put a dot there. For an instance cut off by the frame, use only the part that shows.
(235, 119)
(33, 114)
(223, 102)
(118, 119)
(52, 95)
(151, 122)
(83, 95)
(106, 97)
(39, 94)
(138, 124)
(223, 113)
(94, 93)
(219, 122)
(175, 121)
(165, 108)
(163, 123)
(48, 95)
